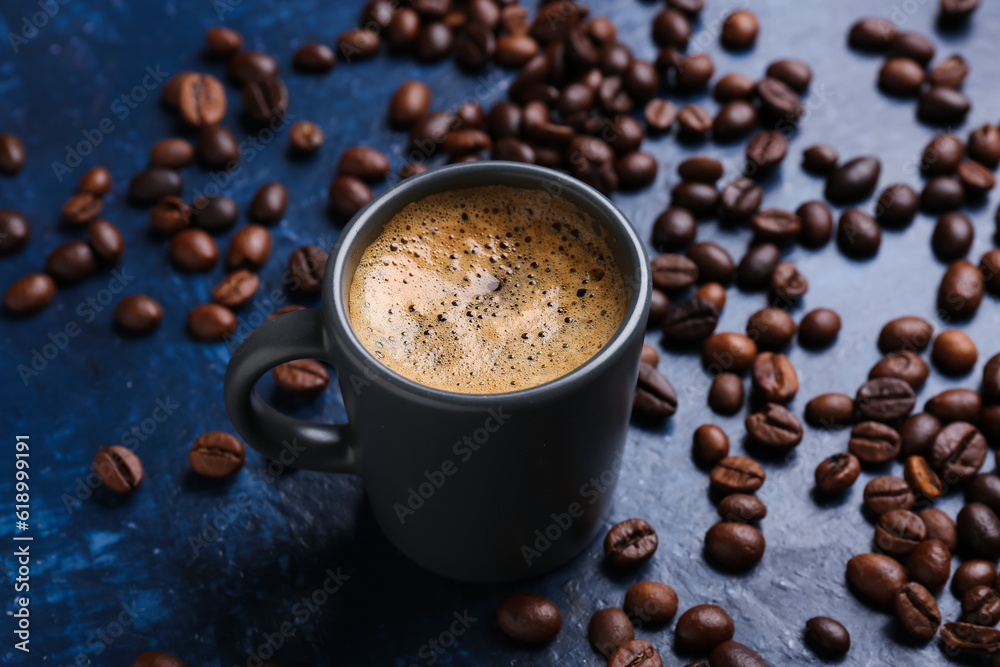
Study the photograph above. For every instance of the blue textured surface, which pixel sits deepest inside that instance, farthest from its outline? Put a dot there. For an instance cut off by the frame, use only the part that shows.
(104, 559)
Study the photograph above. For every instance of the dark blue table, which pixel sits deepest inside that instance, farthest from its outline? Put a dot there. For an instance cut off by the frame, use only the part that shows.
(211, 571)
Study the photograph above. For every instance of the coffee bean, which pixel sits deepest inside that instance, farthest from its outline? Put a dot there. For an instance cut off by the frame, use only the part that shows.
(690, 320)
(984, 488)
(654, 395)
(699, 198)
(774, 379)
(775, 427)
(515, 50)
(592, 162)
(12, 154)
(81, 209)
(733, 86)
(214, 214)
(737, 474)
(701, 168)
(957, 10)
(695, 121)
(733, 121)
(608, 629)
(961, 290)
(650, 355)
(901, 76)
(787, 283)
(694, 72)
(303, 377)
(713, 261)
(475, 45)
(989, 267)
(265, 99)
(888, 493)
(827, 637)
(269, 203)
(775, 226)
(981, 606)
(734, 546)
(249, 248)
(368, 164)
(831, 410)
(876, 577)
(938, 105)
(703, 627)
(976, 179)
(725, 396)
(942, 155)
(958, 452)
(636, 170)
(913, 45)
(29, 294)
(853, 180)
(71, 262)
(642, 82)
(170, 215)
(314, 58)
(658, 306)
(907, 366)
(741, 198)
(236, 289)
(778, 102)
(574, 99)
(201, 99)
(739, 30)
(532, 619)
(757, 265)
(106, 240)
(972, 573)
(630, 543)
(765, 151)
(636, 653)
(858, 235)
(307, 265)
(119, 469)
(660, 114)
(819, 328)
(984, 145)
(794, 73)
(837, 473)
(917, 434)
(211, 322)
(216, 454)
(949, 73)
(930, 565)
(917, 610)
(897, 206)
(626, 134)
(96, 181)
(172, 153)
(940, 527)
(820, 158)
(358, 44)
(14, 231)
(194, 250)
(651, 602)
(954, 352)
(922, 478)
(674, 229)
(729, 351)
(305, 137)
(871, 33)
(873, 442)
(222, 42)
(512, 150)
(991, 380)
(138, 313)
(348, 195)
(671, 28)
(217, 147)
(885, 399)
(711, 444)
(741, 507)
(979, 531)
(898, 532)
(673, 272)
(401, 32)
(954, 405)
(771, 328)
(905, 333)
(817, 224)
(734, 654)
(969, 638)
(989, 423)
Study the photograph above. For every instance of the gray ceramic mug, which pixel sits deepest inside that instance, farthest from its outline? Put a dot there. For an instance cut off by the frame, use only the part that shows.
(476, 487)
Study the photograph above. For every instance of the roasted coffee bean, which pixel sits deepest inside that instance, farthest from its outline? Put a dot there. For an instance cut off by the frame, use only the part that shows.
(876, 577)
(711, 444)
(650, 355)
(942, 155)
(765, 151)
(901, 76)
(979, 531)
(368, 164)
(217, 147)
(930, 565)
(630, 543)
(532, 619)
(981, 606)
(515, 50)
(871, 33)
(703, 627)
(755, 269)
(873, 442)
(954, 352)
(898, 532)
(729, 351)
(949, 73)
(922, 478)
(214, 214)
(699, 198)
(775, 226)
(216, 454)
(314, 58)
(636, 653)
(957, 10)
(820, 158)
(774, 427)
(636, 170)
(106, 240)
(671, 28)
(358, 44)
(771, 328)
(170, 215)
(741, 198)
(654, 395)
(303, 377)
(701, 168)
(348, 195)
(954, 405)
(989, 423)
(81, 209)
(651, 602)
(269, 203)
(976, 179)
(739, 30)
(917, 434)
(513, 150)
(194, 250)
(905, 333)
(201, 99)
(830, 410)
(734, 546)
(961, 290)
(984, 488)
(251, 66)
(733, 121)
(642, 81)
(741, 507)
(787, 283)
(236, 289)
(71, 262)
(173, 153)
(29, 294)
(816, 224)
(401, 32)
(907, 366)
(12, 154)
(913, 45)
(897, 206)
(972, 573)
(888, 493)
(837, 473)
(96, 181)
(673, 272)
(940, 527)
(414, 168)
(222, 42)
(774, 379)
(660, 114)
(608, 629)
(794, 73)
(938, 105)
(694, 71)
(733, 86)
(853, 180)
(14, 231)
(984, 145)
(305, 137)
(858, 235)
(211, 322)
(674, 229)
(778, 102)
(885, 399)
(119, 469)
(138, 313)
(626, 134)
(942, 194)
(958, 452)
(658, 306)
(714, 262)
(725, 396)
(734, 654)
(695, 121)
(819, 327)
(989, 267)
(991, 380)
(690, 320)
(917, 610)
(307, 265)
(475, 45)
(827, 637)
(593, 163)
(969, 638)
(737, 474)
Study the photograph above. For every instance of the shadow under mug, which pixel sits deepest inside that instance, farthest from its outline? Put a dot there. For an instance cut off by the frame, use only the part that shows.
(481, 488)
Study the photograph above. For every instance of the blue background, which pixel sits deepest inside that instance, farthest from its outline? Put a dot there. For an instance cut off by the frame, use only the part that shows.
(213, 602)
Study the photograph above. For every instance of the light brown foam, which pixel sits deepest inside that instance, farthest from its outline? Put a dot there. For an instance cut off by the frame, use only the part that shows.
(487, 290)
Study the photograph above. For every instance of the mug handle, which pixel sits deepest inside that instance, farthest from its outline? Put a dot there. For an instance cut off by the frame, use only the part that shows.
(296, 335)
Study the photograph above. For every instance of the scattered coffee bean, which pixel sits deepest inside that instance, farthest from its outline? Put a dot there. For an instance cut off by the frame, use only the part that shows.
(739, 30)
(907, 366)
(942, 194)
(14, 231)
(269, 203)
(368, 164)
(608, 629)
(249, 248)
(787, 283)
(307, 265)
(976, 179)
(306, 137)
(12, 154)
(532, 619)
(733, 86)
(853, 180)
(711, 444)
(969, 638)
(942, 155)
(940, 527)
(673, 272)
(314, 58)
(216, 454)
(358, 43)
(737, 474)
(29, 294)
(954, 352)
(236, 289)
(981, 606)
(690, 320)
(217, 148)
(954, 405)
(172, 153)
(917, 434)
(858, 235)
(119, 469)
(938, 105)
(725, 396)
(774, 378)
(897, 206)
(630, 543)
(971, 573)
(348, 195)
(734, 546)
(96, 181)
(170, 215)
(776, 226)
(659, 304)
(201, 99)
(138, 313)
(729, 351)
(757, 265)
(930, 565)
(741, 507)
(734, 120)
(979, 531)
(888, 493)
(699, 198)
(713, 293)
(660, 114)
(922, 478)
(984, 145)
(636, 653)
(831, 410)
(837, 473)
(817, 224)
(714, 262)
(819, 328)
(898, 532)
(901, 76)
(694, 120)
(917, 610)
(654, 395)
(873, 442)
(958, 452)
(194, 250)
(871, 34)
(984, 488)
(650, 355)
(106, 240)
(671, 28)
(214, 214)
(222, 42)
(877, 577)
(651, 602)
(71, 262)
(827, 637)
(905, 333)
(885, 399)
(765, 151)
(775, 427)
(771, 328)
(303, 377)
(703, 627)
(81, 209)
(820, 158)
(211, 322)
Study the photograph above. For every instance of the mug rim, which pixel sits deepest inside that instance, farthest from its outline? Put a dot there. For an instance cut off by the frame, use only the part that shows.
(335, 306)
